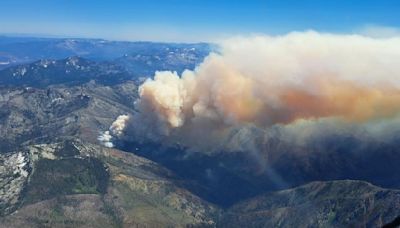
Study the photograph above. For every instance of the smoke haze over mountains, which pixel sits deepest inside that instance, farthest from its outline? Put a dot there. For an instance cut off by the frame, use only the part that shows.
(297, 87)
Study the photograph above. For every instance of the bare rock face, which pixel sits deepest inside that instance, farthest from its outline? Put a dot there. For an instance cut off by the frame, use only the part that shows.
(14, 171)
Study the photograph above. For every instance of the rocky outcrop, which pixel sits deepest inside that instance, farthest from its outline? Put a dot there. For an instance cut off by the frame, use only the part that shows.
(14, 171)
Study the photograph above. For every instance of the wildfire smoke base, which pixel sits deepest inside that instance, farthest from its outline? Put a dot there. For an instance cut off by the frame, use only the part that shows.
(262, 87)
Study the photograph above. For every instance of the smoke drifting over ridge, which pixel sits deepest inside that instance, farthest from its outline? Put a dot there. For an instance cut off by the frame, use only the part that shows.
(257, 88)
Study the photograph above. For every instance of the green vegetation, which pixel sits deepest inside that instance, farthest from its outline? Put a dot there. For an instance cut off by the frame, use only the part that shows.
(54, 178)
(110, 210)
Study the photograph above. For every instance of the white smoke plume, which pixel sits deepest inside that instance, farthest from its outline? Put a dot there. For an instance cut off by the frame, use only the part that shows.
(118, 126)
(106, 138)
(116, 130)
(259, 87)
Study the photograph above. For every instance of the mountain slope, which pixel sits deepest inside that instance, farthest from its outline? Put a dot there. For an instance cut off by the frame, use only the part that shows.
(83, 185)
(343, 203)
(32, 115)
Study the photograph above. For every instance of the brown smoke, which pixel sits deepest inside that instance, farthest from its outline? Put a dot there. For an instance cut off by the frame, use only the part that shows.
(268, 81)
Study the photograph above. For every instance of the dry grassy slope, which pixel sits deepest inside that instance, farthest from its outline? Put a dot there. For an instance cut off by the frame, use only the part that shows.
(146, 193)
(70, 211)
(139, 193)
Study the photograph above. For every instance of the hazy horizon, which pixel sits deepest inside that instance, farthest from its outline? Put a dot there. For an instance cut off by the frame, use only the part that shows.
(194, 21)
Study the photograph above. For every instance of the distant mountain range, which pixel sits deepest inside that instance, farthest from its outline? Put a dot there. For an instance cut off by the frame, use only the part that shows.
(40, 62)
(72, 70)
(18, 50)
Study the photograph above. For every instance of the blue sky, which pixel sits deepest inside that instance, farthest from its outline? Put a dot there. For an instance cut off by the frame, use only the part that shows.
(193, 20)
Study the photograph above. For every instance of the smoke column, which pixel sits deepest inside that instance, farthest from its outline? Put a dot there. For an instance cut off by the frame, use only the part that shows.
(116, 129)
(254, 87)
